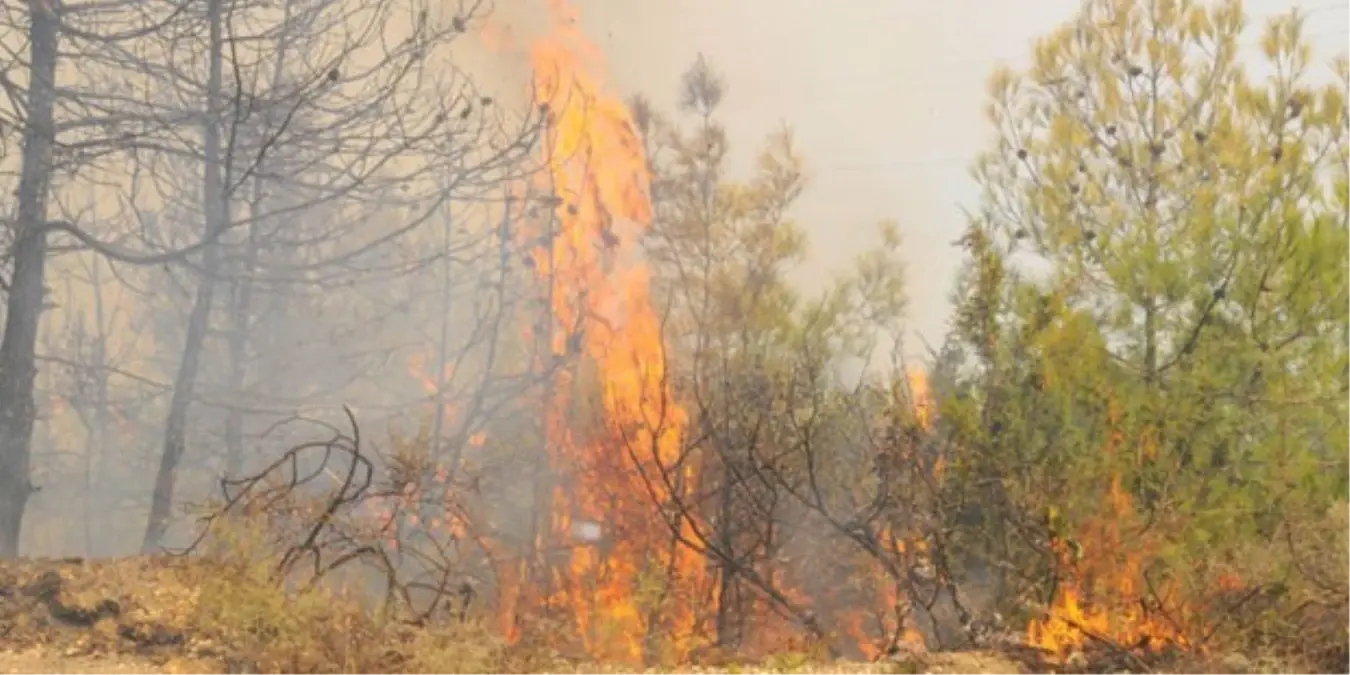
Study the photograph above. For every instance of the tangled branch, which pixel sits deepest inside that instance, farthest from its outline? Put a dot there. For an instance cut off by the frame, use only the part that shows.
(326, 505)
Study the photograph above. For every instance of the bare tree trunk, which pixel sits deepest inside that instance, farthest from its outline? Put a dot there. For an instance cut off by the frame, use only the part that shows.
(726, 576)
(241, 292)
(214, 206)
(543, 475)
(240, 332)
(97, 435)
(442, 348)
(184, 388)
(18, 363)
(241, 295)
(440, 492)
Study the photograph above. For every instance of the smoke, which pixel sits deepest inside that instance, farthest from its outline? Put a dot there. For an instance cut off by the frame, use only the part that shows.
(886, 108)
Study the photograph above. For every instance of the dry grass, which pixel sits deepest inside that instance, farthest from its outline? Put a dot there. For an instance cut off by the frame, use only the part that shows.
(168, 614)
(183, 615)
(178, 615)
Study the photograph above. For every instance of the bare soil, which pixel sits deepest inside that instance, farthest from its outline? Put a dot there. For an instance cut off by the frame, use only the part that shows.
(112, 616)
(38, 660)
(140, 615)
(137, 615)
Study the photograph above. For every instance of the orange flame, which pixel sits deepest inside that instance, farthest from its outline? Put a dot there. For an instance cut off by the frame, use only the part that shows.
(883, 618)
(623, 577)
(617, 540)
(1105, 597)
(921, 395)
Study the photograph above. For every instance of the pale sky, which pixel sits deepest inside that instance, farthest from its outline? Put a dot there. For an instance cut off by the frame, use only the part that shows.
(886, 97)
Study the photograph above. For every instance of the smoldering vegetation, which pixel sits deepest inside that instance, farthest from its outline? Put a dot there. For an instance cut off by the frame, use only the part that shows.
(401, 309)
(260, 216)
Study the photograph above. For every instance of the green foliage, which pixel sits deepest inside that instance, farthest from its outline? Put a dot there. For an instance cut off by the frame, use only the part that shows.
(760, 350)
(789, 662)
(1182, 323)
(761, 362)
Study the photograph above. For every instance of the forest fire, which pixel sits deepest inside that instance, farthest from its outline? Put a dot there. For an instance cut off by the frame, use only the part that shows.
(613, 570)
(1106, 598)
(609, 481)
(884, 620)
(371, 342)
(921, 396)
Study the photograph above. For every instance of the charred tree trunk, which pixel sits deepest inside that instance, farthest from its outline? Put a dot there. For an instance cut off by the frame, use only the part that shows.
(18, 362)
(727, 633)
(216, 217)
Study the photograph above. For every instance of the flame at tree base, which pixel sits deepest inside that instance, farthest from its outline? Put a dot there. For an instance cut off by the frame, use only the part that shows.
(1111, 570)
(608, 564)
(612, 575)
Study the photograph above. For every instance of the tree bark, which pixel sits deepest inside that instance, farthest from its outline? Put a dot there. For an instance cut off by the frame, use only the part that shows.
(241, 290)
(240, 335)
(18, 362)
(216, 217)
(97, 436)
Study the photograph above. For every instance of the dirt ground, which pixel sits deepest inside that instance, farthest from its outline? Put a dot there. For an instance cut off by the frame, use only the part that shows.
(136, 616)
(36, 660)
(980, 663)
(45, 663)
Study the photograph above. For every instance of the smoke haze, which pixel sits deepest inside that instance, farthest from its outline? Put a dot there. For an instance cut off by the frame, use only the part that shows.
(886, 98)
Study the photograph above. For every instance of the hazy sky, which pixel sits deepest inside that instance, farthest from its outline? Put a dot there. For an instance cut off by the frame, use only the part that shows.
(885, 95)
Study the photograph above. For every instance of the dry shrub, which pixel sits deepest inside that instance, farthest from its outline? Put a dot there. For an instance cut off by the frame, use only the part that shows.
(1317, 631)
(1294, 607)
(268, 625)
(312, 573)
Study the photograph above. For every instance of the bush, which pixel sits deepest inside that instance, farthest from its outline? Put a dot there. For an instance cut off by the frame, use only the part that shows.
(269, 625)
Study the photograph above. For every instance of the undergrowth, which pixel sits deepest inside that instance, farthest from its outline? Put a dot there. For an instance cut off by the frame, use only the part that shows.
(285, 625)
